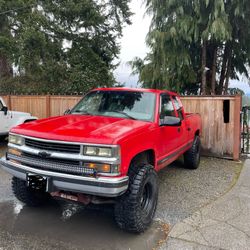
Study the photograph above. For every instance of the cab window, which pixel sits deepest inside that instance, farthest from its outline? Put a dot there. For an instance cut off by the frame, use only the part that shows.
(178, 107)
(167, 107)
(1, 105)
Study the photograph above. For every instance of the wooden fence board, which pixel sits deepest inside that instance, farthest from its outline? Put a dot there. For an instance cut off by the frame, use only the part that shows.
(6, 99)
(59, 104)
(36, 105)
(218, 138)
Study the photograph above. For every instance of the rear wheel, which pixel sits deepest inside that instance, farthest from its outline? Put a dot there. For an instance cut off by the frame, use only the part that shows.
(192, 156)
(135, 210)
(29, 196)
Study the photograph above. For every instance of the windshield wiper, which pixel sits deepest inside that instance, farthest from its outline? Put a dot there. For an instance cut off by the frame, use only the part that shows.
(124, 113)
(82, 112)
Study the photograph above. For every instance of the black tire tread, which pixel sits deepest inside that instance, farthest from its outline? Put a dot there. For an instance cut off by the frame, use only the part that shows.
(127, 209)
(30, 197)
(190, 157)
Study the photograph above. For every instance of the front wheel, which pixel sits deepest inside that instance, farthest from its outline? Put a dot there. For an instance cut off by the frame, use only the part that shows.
(135, 210)
(192, 156)
(30, 197)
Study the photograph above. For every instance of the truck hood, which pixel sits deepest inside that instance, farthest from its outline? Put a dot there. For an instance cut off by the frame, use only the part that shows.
(83, 128)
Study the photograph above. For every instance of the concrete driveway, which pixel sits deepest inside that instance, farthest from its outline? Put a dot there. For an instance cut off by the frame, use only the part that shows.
(223, 224)
(70, 226)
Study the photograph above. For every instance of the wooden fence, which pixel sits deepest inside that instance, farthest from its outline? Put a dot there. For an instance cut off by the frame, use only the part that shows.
(220, 117)
(221, 130)
(41, 106)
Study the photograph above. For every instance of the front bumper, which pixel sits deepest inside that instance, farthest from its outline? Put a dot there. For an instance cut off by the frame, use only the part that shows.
(100, 186)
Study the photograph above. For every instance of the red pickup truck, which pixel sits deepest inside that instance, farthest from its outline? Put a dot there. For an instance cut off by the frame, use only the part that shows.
(108, 148)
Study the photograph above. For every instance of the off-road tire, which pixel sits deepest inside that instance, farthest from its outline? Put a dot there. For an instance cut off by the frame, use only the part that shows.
(134, 211)
(192, 156)
(31, 197)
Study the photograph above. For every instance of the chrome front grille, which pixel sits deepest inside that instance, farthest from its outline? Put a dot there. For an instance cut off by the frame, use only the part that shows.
(53, 146)
(52, 164)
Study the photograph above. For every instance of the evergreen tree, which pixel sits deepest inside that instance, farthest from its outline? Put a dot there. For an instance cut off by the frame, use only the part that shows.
(197, 44)
(59, 45)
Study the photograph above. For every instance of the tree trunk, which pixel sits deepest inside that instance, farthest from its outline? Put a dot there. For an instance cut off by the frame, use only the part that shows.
(228, 73)
(223, 69)
(213, 76)
(5, 67)
(203, 68)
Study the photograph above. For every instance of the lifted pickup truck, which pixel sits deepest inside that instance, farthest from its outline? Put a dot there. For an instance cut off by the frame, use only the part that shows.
(10, 119)
(108, 148)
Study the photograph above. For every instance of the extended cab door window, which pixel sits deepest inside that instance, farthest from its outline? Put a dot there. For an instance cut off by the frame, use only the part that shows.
(178, 107)
(184, 124)
(1, 105)
(167, 107)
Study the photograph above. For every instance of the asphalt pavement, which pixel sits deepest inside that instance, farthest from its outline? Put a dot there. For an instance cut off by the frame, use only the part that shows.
(71, 226)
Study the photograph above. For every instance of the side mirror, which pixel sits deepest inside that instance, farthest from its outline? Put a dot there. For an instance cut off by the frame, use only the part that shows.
(5, 110)
(67, 112)
(170, 121)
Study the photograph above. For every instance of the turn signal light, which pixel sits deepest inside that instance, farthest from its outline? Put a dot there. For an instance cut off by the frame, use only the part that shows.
(14, 151)
(104, 168)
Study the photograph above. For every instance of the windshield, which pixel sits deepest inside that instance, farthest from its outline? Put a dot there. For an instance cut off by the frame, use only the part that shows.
(127, 104)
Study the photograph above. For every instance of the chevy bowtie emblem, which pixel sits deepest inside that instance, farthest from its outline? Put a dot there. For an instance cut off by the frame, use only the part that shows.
(44, 154)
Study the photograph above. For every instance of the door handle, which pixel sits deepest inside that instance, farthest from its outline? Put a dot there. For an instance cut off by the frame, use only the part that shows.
(179, 129)
(188, 129)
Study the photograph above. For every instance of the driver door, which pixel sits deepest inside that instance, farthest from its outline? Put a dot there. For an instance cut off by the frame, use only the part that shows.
(169, 136)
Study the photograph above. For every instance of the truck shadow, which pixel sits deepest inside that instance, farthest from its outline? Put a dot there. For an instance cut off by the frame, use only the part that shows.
(74, 225)
(3, 144)
(177, 164)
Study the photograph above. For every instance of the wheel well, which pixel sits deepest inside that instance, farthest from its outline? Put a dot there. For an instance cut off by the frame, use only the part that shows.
(197, 132)
(147, 156)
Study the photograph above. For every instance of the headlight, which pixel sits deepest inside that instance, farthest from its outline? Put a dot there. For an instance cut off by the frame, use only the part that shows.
(98, 151)
(106, 152)
(15, 139)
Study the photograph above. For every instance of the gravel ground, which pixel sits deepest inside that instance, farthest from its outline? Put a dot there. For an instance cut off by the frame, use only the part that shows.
(182, 192)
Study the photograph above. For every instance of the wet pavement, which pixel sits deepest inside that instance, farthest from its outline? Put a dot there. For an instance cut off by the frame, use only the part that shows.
(46, 228)
(63, 225)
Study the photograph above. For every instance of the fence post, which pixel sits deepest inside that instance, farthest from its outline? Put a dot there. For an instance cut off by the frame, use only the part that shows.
(9, 102)
(237, 127)
(47, 105)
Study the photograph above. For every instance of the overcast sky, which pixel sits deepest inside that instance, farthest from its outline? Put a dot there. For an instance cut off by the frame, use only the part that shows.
(133, 45)
(133, 42)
